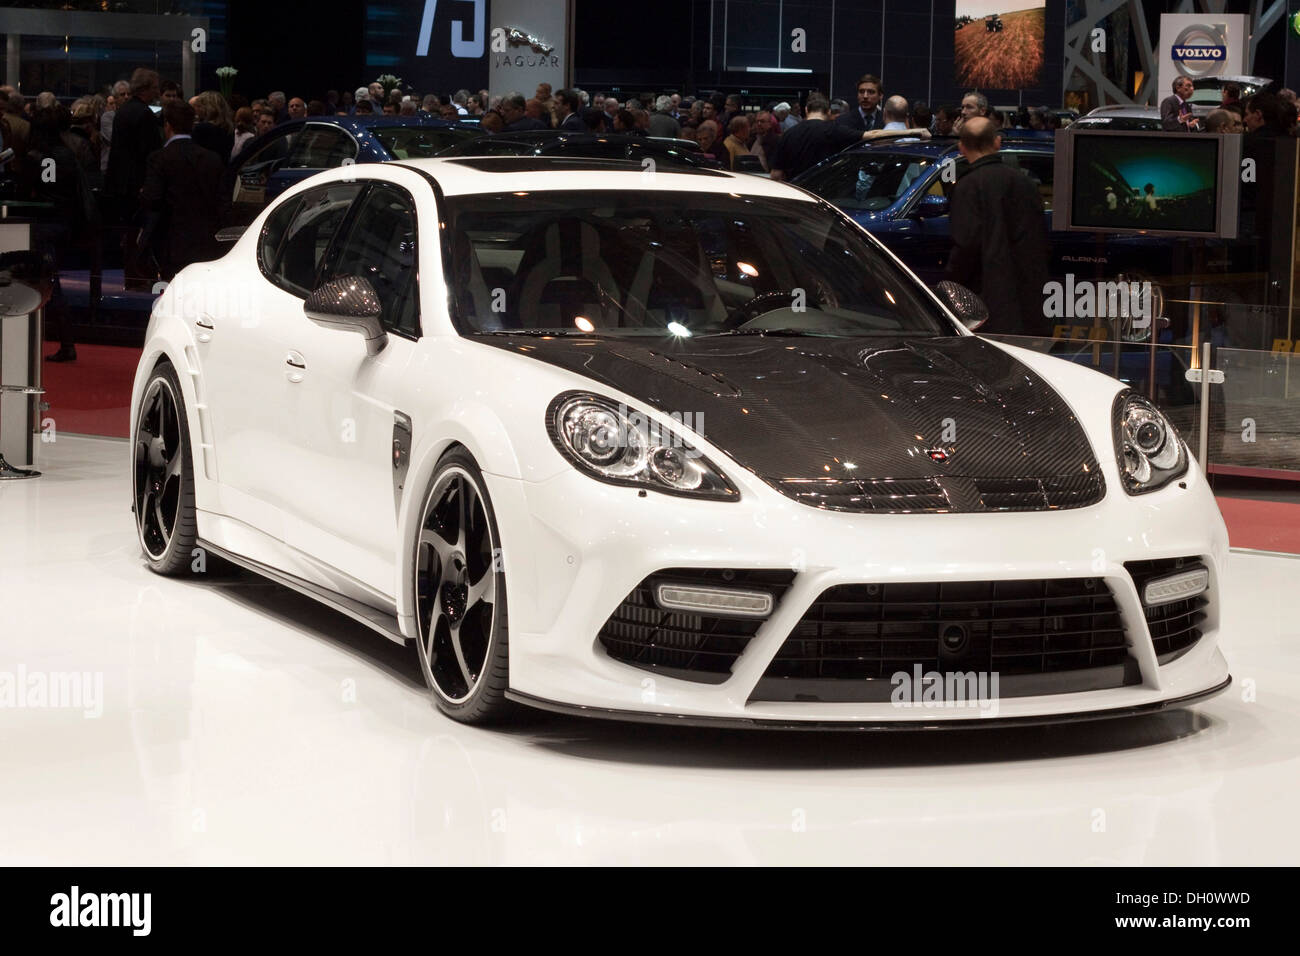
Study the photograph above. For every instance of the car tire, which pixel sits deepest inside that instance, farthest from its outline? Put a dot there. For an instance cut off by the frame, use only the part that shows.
(162, 476)
(462, 630)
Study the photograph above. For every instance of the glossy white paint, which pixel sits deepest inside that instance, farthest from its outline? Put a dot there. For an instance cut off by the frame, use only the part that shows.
(244, 724)
(308, 489)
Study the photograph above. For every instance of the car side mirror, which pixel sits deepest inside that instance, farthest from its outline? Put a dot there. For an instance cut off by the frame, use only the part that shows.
(963, 303)
(351, 304)
(930, 206)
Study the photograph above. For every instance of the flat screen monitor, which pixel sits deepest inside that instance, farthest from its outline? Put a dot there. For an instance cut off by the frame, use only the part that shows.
(1178, 184)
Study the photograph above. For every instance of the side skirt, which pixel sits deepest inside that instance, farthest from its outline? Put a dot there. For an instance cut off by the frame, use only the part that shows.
(377, 619)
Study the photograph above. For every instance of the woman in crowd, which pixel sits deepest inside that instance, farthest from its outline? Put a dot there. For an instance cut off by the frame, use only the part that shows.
(244, 129)
(708, 138)
(215, 126)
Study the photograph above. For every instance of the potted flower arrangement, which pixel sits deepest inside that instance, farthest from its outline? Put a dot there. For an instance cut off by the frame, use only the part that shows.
(226, 76)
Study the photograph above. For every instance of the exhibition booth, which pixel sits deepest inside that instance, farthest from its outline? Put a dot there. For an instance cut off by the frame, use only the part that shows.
(824, 541)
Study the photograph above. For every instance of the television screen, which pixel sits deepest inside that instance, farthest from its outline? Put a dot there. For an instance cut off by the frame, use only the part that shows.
(1161, 183)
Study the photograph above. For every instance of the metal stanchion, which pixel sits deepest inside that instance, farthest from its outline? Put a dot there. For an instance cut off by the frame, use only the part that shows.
(1204, 444)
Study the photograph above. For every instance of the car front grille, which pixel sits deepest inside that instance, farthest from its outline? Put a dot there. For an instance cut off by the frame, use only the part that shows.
(1175, 627)
(947, 494)
(696, 647)
(1038, 636)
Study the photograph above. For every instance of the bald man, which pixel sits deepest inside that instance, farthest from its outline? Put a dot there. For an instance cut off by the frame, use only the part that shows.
(896, 113)
(999, 234)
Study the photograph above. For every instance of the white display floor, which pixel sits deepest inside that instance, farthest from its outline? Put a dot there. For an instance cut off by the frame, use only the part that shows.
(242, 723)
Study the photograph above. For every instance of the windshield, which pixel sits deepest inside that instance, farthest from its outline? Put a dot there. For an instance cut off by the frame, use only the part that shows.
(420, 142)
(866, 181)
(685, 263)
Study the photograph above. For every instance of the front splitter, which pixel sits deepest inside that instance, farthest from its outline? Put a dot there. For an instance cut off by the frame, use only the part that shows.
(745, 723)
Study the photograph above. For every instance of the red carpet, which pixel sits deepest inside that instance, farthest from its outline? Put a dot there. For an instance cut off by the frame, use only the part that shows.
(1262, 525)
(91, 396)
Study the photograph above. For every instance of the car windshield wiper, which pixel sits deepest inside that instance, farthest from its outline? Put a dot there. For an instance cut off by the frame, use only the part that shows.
(791, 333)
(537, 332)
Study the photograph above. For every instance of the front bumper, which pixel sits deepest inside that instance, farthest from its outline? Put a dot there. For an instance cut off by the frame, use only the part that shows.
(574, 548)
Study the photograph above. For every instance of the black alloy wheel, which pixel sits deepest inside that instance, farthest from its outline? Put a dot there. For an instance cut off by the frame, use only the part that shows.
(460, 595)
(163, 476)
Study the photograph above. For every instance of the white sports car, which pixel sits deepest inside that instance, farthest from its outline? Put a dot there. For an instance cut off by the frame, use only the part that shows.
(680, 446)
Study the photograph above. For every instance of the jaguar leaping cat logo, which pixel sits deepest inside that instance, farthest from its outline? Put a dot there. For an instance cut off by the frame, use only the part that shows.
(517, 37)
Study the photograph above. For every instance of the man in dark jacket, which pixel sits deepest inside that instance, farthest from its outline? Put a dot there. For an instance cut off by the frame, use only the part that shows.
(868, 113)
(181, 197)
(136, 134)
(568, 107)
(1175, 110)
(999, 235)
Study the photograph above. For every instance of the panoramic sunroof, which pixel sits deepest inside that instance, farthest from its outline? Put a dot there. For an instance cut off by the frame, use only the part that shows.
(530, 164)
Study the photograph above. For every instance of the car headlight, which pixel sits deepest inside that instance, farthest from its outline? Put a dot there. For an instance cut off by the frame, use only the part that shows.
(1151, 453)
(622, 446)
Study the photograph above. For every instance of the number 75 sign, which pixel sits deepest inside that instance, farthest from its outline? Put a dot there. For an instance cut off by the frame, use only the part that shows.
(471, 48)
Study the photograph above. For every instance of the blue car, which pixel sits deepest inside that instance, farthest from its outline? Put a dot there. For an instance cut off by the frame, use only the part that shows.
(292, 151)
(898, 192)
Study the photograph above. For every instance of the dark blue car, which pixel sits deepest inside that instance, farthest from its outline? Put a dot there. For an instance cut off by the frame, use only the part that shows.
(292, 151)
(898, 192)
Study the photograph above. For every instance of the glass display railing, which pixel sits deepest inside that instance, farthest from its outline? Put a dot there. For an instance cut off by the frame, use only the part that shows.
(1260, 403)
(1160, 373)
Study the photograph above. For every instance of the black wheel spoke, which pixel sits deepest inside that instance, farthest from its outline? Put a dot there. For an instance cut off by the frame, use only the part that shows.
(485, 589)
(440, 546)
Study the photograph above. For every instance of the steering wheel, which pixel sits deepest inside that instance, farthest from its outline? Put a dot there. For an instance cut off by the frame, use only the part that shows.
(761, 304)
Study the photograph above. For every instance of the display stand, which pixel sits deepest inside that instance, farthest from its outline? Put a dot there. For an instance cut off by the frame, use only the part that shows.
(25, 285)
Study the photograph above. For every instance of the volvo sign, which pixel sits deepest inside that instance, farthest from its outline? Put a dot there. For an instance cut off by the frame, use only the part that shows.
(1201, 46)
(1200, 50)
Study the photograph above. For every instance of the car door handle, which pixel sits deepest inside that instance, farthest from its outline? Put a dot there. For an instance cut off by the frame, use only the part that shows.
(204, 326)
(296, 366)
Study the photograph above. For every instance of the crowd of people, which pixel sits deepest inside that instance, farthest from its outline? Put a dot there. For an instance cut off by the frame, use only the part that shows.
(141, 171)
(1264, 114)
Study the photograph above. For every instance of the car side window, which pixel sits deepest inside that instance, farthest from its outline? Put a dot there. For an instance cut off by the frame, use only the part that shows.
(1039, 168)
(318, 217)
(273, 233)
(320, 146)
(381, 248)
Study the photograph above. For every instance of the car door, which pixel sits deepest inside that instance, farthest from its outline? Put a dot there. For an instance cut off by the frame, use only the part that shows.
(245, 362)
(238, 378)
(257, 165)
(344, 403)
(318, 146)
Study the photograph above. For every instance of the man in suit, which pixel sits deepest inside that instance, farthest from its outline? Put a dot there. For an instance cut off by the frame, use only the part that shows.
(135, 135)
(514, 110)
(999, 234)
(181, 197)
(1176, 112)
(19, 131)
(568, 107)
(867, 114)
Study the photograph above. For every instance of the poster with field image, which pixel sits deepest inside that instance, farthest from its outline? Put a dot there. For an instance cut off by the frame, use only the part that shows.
(999, 44)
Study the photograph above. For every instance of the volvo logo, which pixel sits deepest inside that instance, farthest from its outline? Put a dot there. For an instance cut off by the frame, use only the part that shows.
(1201, 50)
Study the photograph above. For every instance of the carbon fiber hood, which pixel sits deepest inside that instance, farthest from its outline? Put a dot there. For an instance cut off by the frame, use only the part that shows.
(941, 424)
